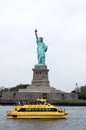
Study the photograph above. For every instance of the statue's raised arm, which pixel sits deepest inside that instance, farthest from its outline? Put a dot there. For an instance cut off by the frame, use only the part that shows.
(36, 34)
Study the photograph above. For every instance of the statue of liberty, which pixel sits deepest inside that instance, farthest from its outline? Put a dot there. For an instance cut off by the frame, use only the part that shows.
(41, 49)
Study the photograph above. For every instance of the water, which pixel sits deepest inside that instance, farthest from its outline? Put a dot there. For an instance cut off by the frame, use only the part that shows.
(76, 120)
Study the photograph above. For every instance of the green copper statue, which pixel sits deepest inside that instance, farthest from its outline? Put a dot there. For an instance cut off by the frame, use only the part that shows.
(41, 49)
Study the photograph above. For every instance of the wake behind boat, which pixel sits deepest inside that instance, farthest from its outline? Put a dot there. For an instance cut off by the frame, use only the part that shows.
(40, 109)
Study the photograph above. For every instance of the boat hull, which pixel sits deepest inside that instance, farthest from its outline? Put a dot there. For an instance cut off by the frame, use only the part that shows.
(35, 116)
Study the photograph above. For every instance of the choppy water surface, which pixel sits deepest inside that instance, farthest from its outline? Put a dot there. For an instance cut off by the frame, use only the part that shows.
(76, 120)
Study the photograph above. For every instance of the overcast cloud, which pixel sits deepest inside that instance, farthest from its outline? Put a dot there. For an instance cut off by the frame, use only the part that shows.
(62, 24)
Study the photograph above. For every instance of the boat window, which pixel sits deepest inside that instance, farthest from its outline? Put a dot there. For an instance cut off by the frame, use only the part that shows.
(22, 110)
(48, 109)
(54, 109)
(51, 109)
(28, 109)
(43, 109)
(37, 109)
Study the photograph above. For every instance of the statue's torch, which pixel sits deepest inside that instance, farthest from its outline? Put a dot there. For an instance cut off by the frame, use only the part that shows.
(36, 34)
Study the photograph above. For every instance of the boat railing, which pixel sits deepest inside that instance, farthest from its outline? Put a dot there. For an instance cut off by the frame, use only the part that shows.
(38, 101)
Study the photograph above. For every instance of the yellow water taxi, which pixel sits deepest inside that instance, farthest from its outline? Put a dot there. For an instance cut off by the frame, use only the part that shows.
(39, 109)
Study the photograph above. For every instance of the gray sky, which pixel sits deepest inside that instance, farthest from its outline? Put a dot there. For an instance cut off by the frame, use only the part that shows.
(62, 24)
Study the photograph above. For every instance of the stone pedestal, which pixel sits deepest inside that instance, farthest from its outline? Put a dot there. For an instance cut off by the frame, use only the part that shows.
(40, 82)
(40, 76)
